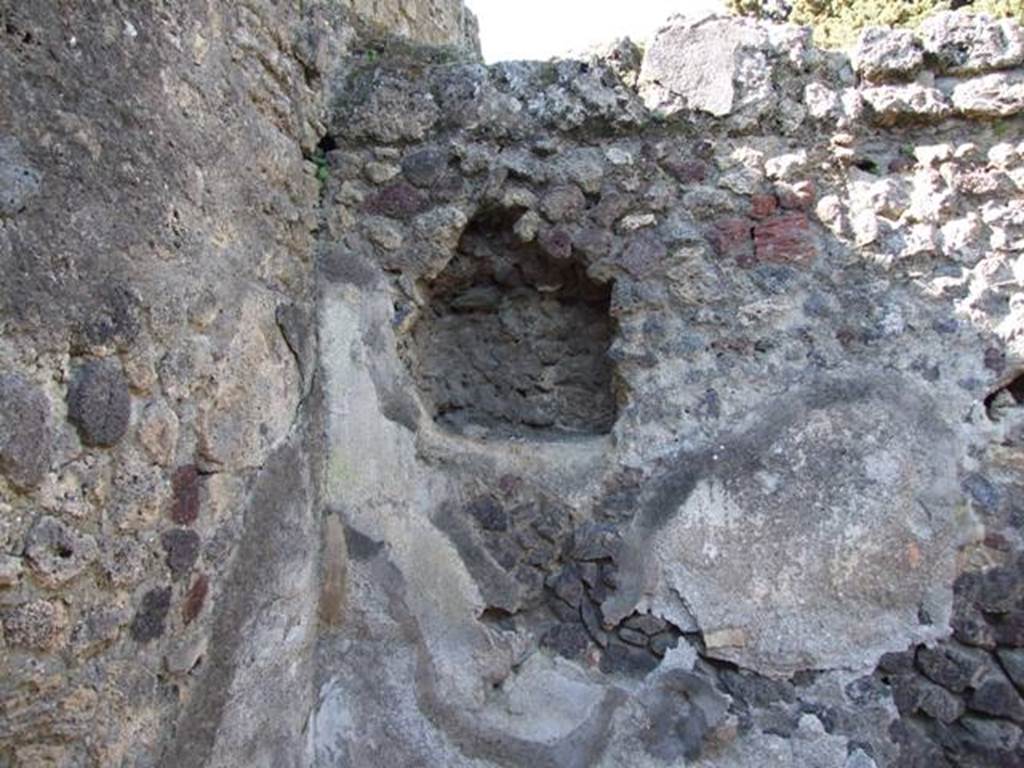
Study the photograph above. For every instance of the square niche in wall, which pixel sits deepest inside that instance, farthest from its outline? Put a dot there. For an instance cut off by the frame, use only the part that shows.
(512, 342)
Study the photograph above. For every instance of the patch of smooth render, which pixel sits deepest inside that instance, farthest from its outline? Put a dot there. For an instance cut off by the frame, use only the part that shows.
(821, 539)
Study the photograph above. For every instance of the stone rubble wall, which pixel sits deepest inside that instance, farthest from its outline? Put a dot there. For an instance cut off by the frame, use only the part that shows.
(232, 531)
(159, 533)
(813, 265)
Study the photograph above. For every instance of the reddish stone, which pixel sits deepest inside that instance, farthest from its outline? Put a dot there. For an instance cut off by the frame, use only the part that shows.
(763, 206)
(798, 197)
(733, 239)
(642, 254)
(787, 239)
(194, 599)
(399, 201)
(686, 171)
(556, 243)
(185, 484)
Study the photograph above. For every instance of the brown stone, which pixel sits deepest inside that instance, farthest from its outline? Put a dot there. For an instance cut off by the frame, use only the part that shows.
(732, 238)
(763, 206)
(787, 239)
(194, 599)
(186, 485)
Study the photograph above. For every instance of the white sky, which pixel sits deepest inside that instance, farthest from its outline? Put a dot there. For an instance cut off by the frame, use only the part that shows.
(540, 29)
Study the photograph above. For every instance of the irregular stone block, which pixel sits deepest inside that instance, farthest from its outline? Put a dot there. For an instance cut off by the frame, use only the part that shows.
(787, 239)
(195, 599)
(26, 432)
(39, 625)
(57, 553)
(953, 666)
(182, 548)
(398, 201)
(148, 623)
(887, 54)
(695, 64)
(19, 181)
(912, 102)
(424, 167)
(995, 695)
(99, 403)
(10, 570)
(186, 484)
(963, 43)
(563, 203)
(99, 628)
(996, 95)
(914, 694)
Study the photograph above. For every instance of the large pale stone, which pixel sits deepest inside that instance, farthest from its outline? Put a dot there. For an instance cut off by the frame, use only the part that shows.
(694, 64)
(816, 539)
(995, 95)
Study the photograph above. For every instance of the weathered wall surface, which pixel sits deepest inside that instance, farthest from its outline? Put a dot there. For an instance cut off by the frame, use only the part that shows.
(359, 406)
(159, 532)
(813, 277)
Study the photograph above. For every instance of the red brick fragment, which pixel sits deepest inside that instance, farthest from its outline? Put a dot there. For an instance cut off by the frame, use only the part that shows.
(786, 239)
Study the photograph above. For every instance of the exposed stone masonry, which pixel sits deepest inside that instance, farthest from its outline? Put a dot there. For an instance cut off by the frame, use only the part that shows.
(364, 405)
(515, 337)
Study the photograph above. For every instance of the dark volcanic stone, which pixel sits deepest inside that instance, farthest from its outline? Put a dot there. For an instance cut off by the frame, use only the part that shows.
(590, 615)
(182, 548)
(1012, 661)
(661, 643)
(185, 483)
(592, 541)
(1008, 629)
(424, 167)
(99, 403)
(26, 435)
(194, 599)
(755, 689)
(399, 201)
(148, 623)
(568, 640)
(970, 627)
(646, 623)
(623, 659)
(896, 662)
(980, 741)
(953, 667)
(488, 513)
(567, 585)
(633, 637)
(914, 694)
(995, 695)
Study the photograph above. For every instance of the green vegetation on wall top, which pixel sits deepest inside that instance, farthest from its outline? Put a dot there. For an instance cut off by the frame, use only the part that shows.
(837, 23)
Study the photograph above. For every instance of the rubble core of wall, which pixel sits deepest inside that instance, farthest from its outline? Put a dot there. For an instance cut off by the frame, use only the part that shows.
(812, 261)
(759, 502)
